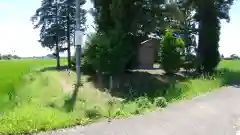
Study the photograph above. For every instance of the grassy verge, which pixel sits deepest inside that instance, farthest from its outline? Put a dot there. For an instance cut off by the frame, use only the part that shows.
(42, 103)
(11, 73)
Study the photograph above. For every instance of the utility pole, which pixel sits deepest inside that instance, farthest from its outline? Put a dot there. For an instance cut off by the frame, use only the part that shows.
(78, 42)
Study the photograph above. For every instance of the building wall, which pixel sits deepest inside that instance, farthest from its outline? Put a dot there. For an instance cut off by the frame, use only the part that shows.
(146, 53)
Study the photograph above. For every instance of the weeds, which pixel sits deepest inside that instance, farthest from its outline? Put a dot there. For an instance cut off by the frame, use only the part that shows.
(160, 102)
(93, 113)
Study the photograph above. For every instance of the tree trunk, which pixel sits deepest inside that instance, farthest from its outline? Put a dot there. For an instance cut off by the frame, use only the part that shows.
(68, 40)
(57, 44)
(200, 48)
(57, 53)
(117, 81)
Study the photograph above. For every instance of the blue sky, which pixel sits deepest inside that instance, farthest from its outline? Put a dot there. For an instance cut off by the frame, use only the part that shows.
(18, 36)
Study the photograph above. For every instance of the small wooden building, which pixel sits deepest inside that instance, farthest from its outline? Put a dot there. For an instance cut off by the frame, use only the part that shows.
(146, 53)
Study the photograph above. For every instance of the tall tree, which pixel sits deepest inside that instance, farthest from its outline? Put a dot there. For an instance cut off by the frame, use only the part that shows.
(136, 18)
(67, 13)
(56, 20)
(208, 15)
(47, 19)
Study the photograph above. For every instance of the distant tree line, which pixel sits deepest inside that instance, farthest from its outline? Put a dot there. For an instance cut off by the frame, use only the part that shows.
(232, 57)
(9, 57)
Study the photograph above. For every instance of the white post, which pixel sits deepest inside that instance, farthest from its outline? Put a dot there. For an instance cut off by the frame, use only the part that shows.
(78, 42)
(110, 82)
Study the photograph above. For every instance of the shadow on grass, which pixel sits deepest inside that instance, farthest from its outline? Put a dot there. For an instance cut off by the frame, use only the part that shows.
(229, 77)
(54, 68)
(8, 98)
(70, 103)
(135, 84)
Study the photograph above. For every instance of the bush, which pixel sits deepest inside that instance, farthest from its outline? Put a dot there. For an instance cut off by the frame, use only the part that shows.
(86, 67)
(171, 52)
(93, 113)
(160, 102)
(108, 52)
(143, 103)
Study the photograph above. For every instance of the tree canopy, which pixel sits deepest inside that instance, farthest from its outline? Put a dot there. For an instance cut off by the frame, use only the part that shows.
(122, 24)
(56, 20)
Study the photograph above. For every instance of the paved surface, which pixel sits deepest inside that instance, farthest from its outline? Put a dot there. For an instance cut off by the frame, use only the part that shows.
(216, 113)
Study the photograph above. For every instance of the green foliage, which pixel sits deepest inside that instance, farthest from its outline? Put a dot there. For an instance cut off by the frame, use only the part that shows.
(53, 18)
(208, 14)
(108, 53)
(209, 31)
(143, 102)
(140, 19)
(56, 22)
(9, 57)
(171, 52)
(11, 78)
(160, 102)
(189, 63)
(93, 113)
(234, 57)
(86, 66)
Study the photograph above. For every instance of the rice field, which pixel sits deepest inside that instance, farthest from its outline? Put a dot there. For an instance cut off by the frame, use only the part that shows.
(11, 75)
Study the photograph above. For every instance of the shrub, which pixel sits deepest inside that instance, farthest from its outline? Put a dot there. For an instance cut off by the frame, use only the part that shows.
(93, 113)
(160, 102)
(171, 52)
(86, 67)
(108, 52)
(144, 103)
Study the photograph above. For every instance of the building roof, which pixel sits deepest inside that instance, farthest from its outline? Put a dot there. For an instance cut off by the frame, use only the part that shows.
(147, 41)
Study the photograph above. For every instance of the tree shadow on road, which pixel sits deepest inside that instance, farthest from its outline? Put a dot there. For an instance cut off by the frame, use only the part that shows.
(229, 77)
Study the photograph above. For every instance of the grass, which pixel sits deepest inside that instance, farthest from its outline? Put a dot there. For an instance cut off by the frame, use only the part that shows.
(11, 73)
(39, 102)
